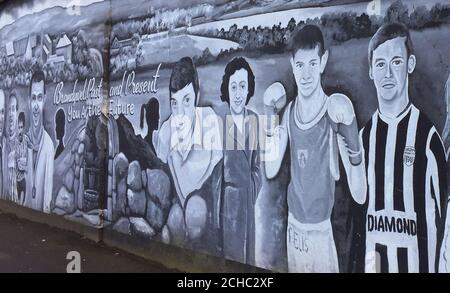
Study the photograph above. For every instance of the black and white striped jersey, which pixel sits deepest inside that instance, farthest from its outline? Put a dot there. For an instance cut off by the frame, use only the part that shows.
(407, 193)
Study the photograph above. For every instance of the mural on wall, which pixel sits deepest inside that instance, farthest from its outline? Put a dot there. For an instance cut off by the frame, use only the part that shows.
(292, 136)
(51, 80)
(287, 92)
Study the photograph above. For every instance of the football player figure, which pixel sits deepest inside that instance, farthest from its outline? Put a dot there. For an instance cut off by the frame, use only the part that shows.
(406, 166)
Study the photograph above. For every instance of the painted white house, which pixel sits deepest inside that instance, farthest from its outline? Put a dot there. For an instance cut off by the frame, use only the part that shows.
(23, 48)
(64, 48)
(9, 49)
(56, 60)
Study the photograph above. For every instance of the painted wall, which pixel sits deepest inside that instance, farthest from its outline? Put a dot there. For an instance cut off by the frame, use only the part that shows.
(155, 120)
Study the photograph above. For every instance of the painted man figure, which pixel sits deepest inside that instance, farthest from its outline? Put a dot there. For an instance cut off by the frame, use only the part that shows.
(21, 158)
(41, 150)
(3, 158)
(445, 266)
(406, 167)
(189, 141)
(318, 128)
(13, 106)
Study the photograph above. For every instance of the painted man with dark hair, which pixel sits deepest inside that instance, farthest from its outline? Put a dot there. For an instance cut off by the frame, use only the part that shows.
(41, 150)
(21, 158)
(406, 167)
(189, 141)
(13, 106)
(318, 129)
(242, 181)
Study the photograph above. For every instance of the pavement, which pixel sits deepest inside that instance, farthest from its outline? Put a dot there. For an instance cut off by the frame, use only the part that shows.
(28, 247)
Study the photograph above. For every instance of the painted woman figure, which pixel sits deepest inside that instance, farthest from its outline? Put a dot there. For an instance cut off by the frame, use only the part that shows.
(241, 163)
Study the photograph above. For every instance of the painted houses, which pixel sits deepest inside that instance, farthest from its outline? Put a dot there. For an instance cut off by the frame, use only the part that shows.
(25, 47)
(56, 51)
(53, 51)
(9, 49)
(46, 47)
(57, 61)
(117, 45)
(64, 48)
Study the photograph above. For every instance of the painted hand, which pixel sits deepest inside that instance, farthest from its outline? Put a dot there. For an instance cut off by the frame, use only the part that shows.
(342, 116)
(340, 109)
(274, 98)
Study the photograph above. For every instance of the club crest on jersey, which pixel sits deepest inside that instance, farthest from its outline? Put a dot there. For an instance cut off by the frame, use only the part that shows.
(302, 157)
(409, 156)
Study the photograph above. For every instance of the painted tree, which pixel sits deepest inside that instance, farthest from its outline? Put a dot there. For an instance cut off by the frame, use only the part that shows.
(397, 12)
(80, 48)
(291, 24)
(420, 17)
(244, 37)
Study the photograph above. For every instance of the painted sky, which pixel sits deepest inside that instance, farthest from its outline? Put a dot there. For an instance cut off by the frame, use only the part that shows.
(15, 11)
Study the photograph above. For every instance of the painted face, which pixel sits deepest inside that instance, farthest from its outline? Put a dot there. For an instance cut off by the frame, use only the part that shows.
(390, 67)
(12, 116)
(37, 103)
(182, 104)
(20, 130)
(238, 91)
(2, 111)
(308, 66)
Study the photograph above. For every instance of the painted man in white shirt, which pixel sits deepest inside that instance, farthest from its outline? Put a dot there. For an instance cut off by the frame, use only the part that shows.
(41, 150)
(189, 141)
